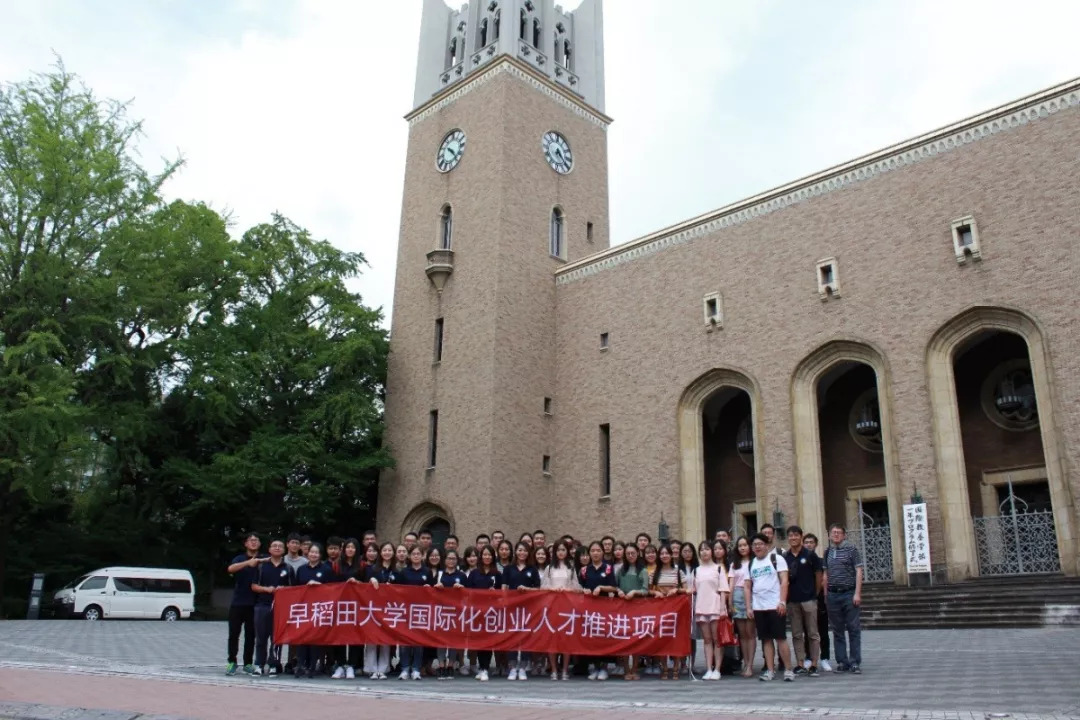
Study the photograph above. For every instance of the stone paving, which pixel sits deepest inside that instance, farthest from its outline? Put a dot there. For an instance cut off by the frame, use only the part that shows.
(910, 674)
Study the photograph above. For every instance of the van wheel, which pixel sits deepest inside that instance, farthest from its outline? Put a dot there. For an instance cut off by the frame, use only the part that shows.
(170, 615)
(92, 613)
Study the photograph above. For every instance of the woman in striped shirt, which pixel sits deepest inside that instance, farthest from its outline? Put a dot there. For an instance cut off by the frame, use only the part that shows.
(667, 580)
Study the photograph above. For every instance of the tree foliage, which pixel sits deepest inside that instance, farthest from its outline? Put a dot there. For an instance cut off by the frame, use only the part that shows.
(163, 385)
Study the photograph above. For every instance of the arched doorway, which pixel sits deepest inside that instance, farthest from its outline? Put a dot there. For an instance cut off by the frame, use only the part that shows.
(728, 447)
(845, 456)
(715, 483)
(431, 517)
(1005, 504)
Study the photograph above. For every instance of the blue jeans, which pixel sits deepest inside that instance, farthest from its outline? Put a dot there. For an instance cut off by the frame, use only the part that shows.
(844, 616)
(412, 657)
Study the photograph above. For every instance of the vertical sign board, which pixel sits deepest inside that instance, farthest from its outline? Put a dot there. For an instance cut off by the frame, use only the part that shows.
(916, 538)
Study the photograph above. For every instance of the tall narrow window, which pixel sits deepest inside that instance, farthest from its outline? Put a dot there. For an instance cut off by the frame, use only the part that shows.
(496, 24)
(536, 33)
(524, 29)
(558, 242)
(567, 56)
(453, 53)
(433, 437)
(438, 339)
(588, 231)
(446, 229)
(605, 460)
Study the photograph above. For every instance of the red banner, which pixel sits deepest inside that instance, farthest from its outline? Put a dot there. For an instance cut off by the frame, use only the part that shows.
(538, 621)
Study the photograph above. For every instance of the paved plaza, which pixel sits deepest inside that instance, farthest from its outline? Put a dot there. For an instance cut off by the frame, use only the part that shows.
(144, 669)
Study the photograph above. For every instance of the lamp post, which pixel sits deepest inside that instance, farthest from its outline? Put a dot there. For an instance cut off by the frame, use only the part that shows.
(663, 532)
(778, 519)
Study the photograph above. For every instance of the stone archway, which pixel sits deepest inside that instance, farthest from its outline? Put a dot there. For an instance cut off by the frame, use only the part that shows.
(424, 515)
(809, 477)
(691, 444)
(941, 352)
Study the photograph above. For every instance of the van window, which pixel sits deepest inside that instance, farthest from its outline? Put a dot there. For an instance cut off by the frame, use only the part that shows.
(169, 586)
(128, 584)
(95, 583)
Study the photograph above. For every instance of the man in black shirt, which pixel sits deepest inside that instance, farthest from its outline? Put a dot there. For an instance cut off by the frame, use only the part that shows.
(804, 583)
(242, 609)
(269, 577)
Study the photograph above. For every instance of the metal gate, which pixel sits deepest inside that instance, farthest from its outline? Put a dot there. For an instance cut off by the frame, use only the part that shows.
(875, 545)
(1016, 542)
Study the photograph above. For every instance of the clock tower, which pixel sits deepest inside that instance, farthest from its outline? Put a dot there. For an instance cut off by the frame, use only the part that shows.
(505, 182)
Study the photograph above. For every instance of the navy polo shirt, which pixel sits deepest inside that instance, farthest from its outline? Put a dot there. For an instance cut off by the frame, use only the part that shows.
(243, 596)
(592, 577)
(478, 580)
(412, 576)
(271, 575)
(516, 577)
(802, 572)
(321, 573)
(380, 573)
(449, 579)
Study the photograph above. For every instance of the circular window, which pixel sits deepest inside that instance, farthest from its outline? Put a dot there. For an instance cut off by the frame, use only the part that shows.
(1008, 396)
(864, 422)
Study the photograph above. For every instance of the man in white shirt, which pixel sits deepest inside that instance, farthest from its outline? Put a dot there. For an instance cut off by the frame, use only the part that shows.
(766, 591)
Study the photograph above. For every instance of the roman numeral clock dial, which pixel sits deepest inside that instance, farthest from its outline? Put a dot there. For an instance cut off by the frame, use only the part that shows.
(557, 152)
(451, 150)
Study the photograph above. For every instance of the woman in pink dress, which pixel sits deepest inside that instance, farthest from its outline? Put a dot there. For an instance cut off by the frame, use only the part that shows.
(710, 588)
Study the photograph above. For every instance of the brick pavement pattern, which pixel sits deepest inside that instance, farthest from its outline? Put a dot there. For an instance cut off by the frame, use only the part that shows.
(908, 673)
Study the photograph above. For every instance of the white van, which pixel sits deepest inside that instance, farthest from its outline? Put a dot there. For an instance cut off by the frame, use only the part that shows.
(129, 592)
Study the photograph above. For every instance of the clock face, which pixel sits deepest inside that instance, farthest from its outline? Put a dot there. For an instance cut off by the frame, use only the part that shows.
(557, 152)
(451, 150)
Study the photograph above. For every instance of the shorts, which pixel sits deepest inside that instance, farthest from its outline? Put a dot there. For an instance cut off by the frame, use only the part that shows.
(770, 625)
(738, 600)
(706, 618)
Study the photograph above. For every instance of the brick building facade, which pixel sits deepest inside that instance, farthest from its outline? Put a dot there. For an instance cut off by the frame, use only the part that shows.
(898, 325)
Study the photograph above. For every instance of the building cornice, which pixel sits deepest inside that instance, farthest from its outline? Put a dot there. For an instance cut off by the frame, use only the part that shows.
(519, 70)
(894, 157)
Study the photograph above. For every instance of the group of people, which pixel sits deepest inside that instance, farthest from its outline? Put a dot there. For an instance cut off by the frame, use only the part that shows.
(743, 591)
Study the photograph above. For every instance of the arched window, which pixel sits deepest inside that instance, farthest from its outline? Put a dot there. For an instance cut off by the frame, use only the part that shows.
(453, 53)
(498, 22)
(446, 228)
(536, 33)
(558, 241)
(483, 32)
(524, 29)
(566, 55)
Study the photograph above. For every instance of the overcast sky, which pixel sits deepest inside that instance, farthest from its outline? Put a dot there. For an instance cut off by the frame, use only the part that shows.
(297, 105)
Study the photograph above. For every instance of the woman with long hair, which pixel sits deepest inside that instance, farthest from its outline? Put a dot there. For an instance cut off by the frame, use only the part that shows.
(687, 561)
(416, 573)
(521, 575)
(709, 586)
(347, 568)
(451, 576)
(314, 572)
(377, 657)
(486, 576)
(667, 580)
(634, 583)
(560, 576)
(740, 571)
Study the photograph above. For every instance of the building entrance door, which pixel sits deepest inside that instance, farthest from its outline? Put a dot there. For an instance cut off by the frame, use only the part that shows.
(873, 537)
(1022, 538)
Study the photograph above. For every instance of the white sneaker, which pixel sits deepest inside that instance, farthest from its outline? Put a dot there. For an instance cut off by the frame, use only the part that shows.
(256, 670)
(826, 666)
(789, 676)
(464, 670)
(482, 676)
(566, 676)
(415, 674)
(594, 674)
(554, 676)
(338, 674)
(404, 675)
(522, 675)
(602, 675)
(350, 674)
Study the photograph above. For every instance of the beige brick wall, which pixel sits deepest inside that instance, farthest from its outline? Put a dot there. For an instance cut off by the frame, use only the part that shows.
(900, 282)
